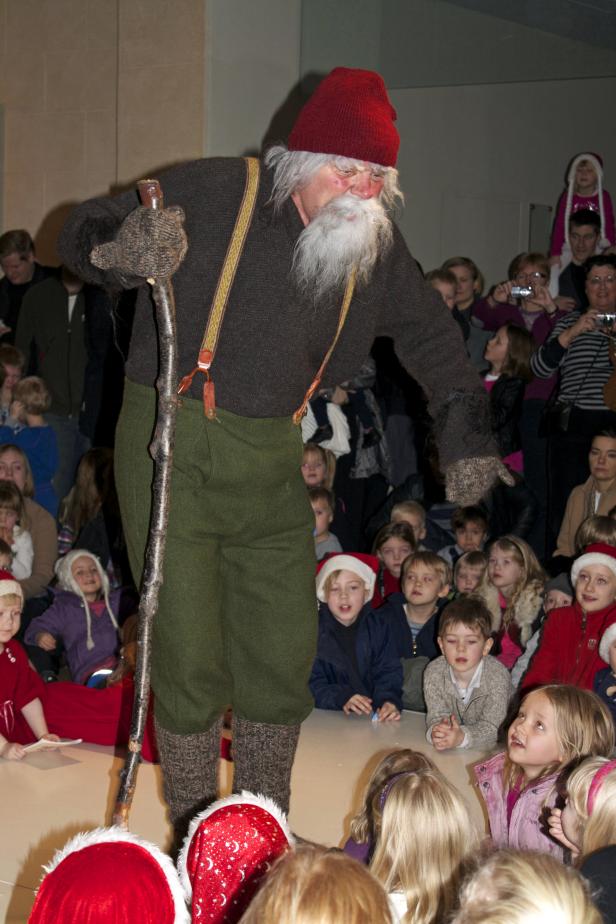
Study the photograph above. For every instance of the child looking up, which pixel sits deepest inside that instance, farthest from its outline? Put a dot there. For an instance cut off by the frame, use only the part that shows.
(83, 616)
(512, 589)
(467, 691)
(322, 503)
(468, 571)
(22, 720)
(12, 513)
(470, 527)
(364, 825)
(508, 353)
(568, 649)
(356, 668)
(29, 431)
(424, 842)
(393, 543)
(584, 191)
(604, 683)
(555, 725)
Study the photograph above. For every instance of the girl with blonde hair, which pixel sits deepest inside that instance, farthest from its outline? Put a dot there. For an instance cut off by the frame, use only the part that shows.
(312, 885)
(364, 825)
(555, 725)
(588, 821)
(512, 589)
(515, 887)
(423, 843)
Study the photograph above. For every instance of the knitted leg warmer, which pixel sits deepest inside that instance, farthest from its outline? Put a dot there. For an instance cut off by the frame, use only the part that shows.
(263, 758)
(190, 773)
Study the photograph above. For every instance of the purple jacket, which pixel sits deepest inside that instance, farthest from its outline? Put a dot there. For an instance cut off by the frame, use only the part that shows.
(493, 318)
(525, 830)
(65, 619)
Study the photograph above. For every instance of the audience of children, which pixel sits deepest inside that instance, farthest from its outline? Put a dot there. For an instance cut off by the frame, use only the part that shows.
(322, 503)
(470, 528)
(568, 649)
(83, 618)
(468, 572)
(356, 668)
(392, 545)
(555, 725)
(466, 690)
(27, 429)
(19, 540)
(512, 589)
(318, 471)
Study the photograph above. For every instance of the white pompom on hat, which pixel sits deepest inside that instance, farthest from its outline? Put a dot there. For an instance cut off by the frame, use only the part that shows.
(607, 639)
(364, 566)
(599, 553)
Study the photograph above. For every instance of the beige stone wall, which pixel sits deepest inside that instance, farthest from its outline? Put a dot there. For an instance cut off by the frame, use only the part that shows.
(95, 94)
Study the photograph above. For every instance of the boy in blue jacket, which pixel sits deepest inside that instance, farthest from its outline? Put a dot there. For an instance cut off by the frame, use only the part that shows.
(356, 668)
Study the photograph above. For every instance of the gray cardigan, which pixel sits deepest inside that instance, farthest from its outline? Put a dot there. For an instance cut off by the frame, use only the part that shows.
(482, 715)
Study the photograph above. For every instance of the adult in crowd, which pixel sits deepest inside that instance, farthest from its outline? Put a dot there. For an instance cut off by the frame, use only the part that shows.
(579, 349)
(237, 603)
(569, 284)
(65, 329)
(21, 272)
(538, 314)
(469, 286)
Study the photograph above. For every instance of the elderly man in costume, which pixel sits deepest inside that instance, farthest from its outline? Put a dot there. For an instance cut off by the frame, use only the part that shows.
(321, 266)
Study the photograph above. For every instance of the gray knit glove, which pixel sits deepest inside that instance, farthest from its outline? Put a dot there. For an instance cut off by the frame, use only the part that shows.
(468, 480)
(150, 243)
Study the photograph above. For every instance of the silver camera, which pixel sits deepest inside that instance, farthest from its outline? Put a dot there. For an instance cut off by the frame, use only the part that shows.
(521, 291)
(605, 322)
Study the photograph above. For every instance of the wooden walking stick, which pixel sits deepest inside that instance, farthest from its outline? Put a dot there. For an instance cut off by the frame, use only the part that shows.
(161, 450)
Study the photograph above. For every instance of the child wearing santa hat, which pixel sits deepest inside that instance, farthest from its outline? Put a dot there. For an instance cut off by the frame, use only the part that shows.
(604, 683)
(22, 720)
(568, 650)
(356, 668)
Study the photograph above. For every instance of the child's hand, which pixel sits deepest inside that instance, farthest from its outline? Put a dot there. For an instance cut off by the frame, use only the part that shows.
(46, 641)
(447, 734)
(362, 705)
(12, 751)
(16, 410)
(388, 713)
(556, 830)
(49, 737)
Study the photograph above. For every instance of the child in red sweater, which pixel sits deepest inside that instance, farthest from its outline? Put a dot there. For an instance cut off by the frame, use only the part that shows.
(568, 650)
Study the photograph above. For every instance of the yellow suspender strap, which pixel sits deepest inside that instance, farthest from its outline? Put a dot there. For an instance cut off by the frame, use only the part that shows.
(344, 310)
(221, 296)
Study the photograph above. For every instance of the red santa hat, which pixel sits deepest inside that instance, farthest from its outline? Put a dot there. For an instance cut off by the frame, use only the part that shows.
(349, 115)
(8, 585)
(229, 848)
(599, 553)
(364, 566)
(110, 876)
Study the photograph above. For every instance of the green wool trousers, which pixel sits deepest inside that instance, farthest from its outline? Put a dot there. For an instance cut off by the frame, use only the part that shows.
(237, 616)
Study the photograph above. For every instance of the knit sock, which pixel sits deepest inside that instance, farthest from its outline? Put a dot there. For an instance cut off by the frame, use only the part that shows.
(190, 773)
(263, 758)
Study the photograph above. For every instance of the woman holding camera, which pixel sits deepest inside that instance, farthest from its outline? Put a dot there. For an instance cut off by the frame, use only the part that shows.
(578, 347)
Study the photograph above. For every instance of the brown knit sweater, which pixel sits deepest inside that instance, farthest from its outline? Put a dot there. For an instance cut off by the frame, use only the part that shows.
(272, 341)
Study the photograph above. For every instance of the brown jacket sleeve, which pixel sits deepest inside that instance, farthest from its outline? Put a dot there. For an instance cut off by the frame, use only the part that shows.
(42, 528)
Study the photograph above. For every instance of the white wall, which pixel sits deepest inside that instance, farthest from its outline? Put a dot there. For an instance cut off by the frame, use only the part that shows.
(473, 158)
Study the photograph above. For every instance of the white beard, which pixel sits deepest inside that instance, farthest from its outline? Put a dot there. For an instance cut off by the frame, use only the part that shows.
(347, 232)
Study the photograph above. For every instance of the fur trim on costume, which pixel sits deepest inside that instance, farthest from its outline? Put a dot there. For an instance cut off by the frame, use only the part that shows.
(599, 553)
(243, 798)
(115, 834)
(525, 610)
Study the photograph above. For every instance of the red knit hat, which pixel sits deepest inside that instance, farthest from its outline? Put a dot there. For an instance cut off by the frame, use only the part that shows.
(229, 848)
(349, 115)
(110, 876)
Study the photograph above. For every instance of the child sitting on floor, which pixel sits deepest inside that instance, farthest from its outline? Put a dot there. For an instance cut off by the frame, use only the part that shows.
(568, 650)
(356, 668)
(83, 616)
(468, 572)
(12, 514)
(393, 543)
(555, 725)
(467, 691)
(22, 720)
(322, 503)
(470, 527)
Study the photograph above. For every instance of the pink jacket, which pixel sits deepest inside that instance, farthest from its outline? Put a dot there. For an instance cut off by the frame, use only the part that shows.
(527, 825)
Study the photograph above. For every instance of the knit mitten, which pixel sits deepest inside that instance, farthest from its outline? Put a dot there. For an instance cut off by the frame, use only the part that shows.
(150, 243)
(190, 772)
(263, 758)
(468, 480)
